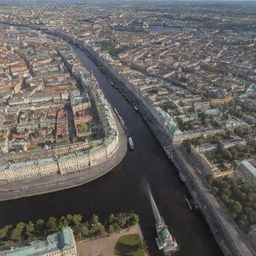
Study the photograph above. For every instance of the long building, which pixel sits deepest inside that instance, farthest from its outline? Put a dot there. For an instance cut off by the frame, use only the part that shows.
(247, 172)
(56, 121)
(71, 162)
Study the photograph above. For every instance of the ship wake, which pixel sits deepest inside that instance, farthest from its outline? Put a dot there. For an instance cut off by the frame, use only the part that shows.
(165, 241)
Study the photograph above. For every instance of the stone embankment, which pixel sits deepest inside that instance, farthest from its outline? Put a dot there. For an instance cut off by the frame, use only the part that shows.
(73, 167)
(59, 182)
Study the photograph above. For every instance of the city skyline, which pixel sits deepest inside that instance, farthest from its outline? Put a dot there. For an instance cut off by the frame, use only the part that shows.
(120, 93)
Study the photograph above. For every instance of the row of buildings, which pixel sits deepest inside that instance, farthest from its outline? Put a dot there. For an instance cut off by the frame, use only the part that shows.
(192, 67)
(56, 120)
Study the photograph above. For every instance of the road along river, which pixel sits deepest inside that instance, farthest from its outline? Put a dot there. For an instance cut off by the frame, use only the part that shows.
(122, 189)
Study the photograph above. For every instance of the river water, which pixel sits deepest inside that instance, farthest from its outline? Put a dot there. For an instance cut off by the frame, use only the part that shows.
(122, 189)
(155, 28)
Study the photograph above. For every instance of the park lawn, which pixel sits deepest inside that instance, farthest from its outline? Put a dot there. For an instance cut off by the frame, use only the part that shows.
(129, 245)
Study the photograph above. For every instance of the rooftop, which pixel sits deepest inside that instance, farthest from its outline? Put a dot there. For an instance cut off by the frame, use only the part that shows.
(249, 167)
(63, 240)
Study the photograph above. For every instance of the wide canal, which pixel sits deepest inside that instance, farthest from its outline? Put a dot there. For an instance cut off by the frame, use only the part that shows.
(122, 189)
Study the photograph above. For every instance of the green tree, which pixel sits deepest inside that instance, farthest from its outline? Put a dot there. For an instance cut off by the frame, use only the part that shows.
(111, 218)
(96, 227)
(84, 127)
(62, 222)
(237, 207)
(69, 219)
(4, 232)
(225, 198)
(187, 145)
(52, 224)
(77, 219)
(78, 235)
(95, 219)
(29, 230)
(111, 229)
(85, 232)
(16, 233)
(39, 226)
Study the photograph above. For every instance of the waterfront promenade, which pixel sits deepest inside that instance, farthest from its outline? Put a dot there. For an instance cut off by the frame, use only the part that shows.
(58, 182)
(230, 239)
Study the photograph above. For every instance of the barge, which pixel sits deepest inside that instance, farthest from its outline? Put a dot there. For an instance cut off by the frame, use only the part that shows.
(130, 143)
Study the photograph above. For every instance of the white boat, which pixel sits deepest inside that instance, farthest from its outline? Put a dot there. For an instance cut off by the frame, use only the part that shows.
(182, 177)
(119, 117)
(165, 241)
(111, 81)
(130, 143)
(189, 203)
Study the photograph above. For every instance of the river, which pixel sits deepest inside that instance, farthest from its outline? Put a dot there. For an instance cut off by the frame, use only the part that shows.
(156, 28)
(122, 189)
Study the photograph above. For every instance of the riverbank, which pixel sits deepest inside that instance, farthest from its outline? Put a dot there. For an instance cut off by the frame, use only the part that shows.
(230, 238)
(60, 182)
(225, 240)
(125, 181)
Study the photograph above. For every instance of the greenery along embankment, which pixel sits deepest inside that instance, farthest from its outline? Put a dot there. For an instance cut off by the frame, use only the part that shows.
(83, 229)
(237, 152)
(222, 156)
(113, 49)
(130, 245)
(239, 198)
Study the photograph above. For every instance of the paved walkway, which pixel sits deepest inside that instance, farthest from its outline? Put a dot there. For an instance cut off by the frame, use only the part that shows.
(215, 212)
(104, 246)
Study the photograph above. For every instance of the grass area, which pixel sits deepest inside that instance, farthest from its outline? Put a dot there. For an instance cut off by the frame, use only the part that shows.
(129, 245)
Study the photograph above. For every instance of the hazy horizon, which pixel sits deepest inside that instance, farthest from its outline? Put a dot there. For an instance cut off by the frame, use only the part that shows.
(120, 1)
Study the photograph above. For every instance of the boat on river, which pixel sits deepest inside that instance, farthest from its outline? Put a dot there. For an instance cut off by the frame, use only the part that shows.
(182, 177)
(130, 143)
(119, 117)
(165, 241)
(191, 203)
(111, 81)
